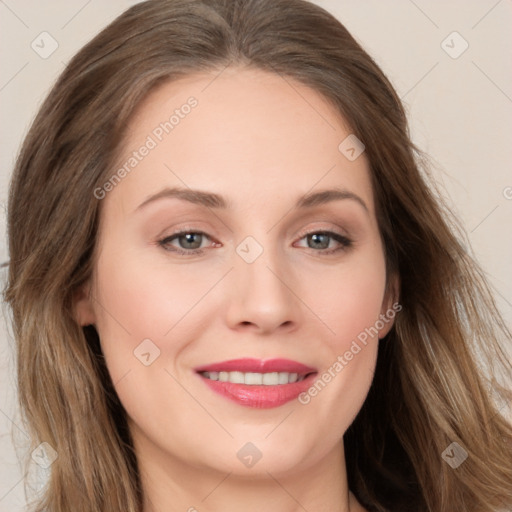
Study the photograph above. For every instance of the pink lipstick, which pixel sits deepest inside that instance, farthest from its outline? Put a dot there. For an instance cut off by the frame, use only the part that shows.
(258, 383)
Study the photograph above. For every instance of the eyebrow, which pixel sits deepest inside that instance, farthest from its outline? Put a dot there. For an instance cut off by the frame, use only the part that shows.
(212, 200)
(327, 196)
(208, 199)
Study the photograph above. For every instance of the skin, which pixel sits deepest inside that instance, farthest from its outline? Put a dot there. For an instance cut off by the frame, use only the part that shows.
(261, 142)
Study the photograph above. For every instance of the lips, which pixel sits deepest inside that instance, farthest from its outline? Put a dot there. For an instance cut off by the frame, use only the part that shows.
(257, 366)
(258, 383)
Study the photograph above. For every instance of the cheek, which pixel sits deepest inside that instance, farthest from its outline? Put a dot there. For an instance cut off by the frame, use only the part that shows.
(138, 298)
(348, 297)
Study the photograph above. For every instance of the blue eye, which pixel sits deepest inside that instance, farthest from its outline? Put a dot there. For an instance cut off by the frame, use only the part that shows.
(322, 241)
(189, 242)
(194, 242)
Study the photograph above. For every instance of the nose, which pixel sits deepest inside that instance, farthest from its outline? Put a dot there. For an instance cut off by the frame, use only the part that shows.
(262, 299)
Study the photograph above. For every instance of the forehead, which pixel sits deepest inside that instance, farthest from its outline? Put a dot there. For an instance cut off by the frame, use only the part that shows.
(243, 133)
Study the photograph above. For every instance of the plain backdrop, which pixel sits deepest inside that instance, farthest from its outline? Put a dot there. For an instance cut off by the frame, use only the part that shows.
(457, 89)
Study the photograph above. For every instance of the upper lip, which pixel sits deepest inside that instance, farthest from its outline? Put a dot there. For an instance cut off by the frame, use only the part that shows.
(257, 366)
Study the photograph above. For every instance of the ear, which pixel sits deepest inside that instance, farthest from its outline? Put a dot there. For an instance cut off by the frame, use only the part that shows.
(390, 306)
(82, 305)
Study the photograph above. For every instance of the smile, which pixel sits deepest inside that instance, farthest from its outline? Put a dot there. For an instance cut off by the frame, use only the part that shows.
(254, 379)
(256, 383)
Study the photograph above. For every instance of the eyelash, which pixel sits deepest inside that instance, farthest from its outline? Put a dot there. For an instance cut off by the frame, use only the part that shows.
(190, 252)
(345, 243)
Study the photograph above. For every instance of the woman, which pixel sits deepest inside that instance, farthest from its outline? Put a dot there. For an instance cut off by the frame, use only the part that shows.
(232, 287)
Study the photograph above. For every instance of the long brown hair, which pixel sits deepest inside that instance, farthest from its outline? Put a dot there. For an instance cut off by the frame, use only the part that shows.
(428, 390)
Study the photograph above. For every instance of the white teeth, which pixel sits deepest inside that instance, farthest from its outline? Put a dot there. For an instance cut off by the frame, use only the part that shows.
(255, 379)
(236, 377)
(271, 379)
(282, 378)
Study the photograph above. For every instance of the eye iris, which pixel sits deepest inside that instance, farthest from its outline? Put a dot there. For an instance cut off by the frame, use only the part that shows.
(319, 240)
(190, 240)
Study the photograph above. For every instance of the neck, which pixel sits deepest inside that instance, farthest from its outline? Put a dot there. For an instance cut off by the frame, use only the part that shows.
(170, 483)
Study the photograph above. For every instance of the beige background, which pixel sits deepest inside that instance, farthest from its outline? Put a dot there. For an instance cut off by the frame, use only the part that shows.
(460, 111)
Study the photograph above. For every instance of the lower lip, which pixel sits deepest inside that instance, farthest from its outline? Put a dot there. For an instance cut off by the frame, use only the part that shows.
(260, 397)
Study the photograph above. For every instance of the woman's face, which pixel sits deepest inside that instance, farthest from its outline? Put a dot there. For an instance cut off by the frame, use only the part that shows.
(280, 258)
